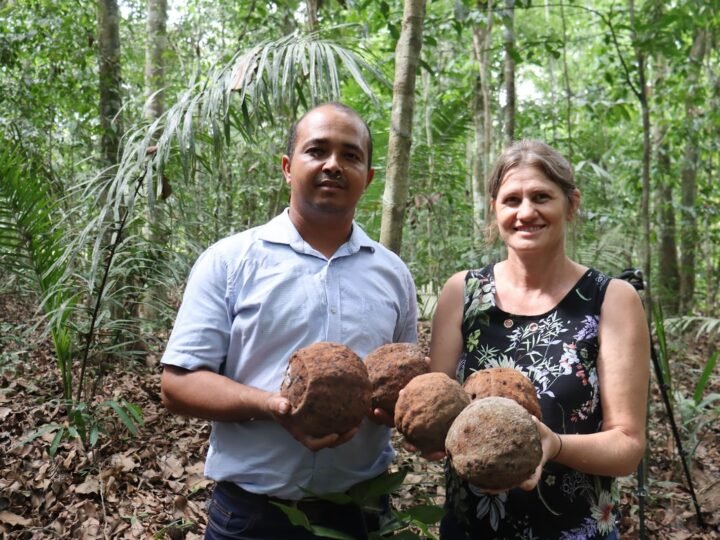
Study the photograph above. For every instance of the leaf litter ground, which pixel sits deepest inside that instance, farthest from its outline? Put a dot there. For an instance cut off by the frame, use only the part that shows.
(152, 485)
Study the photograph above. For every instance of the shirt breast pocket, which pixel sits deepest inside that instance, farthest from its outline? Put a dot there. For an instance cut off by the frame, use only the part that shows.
(378, 317)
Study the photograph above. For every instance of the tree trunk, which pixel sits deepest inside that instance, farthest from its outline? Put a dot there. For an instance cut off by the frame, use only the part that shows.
(509, 46)
(568, 90)
(688, 175)
(155, 232)
(155, 59)
(642, 95)
(312, 10)
(108, 18)
(669, 277)
(407, 58)
(482, 119)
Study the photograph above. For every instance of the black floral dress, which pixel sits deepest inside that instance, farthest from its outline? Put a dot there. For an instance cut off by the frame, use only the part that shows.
(557, 351)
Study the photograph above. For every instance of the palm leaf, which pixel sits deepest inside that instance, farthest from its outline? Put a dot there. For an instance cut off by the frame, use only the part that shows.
(31, 239)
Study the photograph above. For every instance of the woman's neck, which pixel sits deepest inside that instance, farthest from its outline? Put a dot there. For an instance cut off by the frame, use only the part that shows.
(533, 285)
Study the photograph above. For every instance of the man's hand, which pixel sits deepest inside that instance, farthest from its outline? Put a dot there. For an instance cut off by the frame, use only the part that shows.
(381, 417)
(280, 409)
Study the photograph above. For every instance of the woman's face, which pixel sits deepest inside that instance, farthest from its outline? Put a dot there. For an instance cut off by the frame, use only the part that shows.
(532, 210)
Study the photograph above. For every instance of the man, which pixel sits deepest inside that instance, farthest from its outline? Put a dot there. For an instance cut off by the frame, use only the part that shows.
(311, 274)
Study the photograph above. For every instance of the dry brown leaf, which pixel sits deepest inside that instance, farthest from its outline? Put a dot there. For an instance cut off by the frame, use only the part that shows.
(123, 462)
(89, 485)
(14, 519)
(172, 467)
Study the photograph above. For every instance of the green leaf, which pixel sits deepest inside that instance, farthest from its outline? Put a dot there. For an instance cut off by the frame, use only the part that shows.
(662, 347)
(705, 377)
(135, 411)
(325, 532)
(382, 485)
(47, 428)
(56, 441)
(123, 415)
(426, 513)
(296, 517)
(94, 435)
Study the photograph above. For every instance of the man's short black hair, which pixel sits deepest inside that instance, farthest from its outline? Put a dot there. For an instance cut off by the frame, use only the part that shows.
(292, 135)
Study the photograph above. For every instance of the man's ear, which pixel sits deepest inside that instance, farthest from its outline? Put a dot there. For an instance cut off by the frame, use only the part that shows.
(286, 168)
(370, 176)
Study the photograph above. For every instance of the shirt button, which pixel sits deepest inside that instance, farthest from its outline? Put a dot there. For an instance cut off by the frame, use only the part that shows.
(333, 311)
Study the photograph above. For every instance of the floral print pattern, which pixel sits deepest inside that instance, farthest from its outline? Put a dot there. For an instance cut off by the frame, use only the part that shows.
(557, 351)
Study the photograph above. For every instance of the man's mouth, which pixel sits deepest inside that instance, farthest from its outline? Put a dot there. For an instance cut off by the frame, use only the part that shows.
(328, 182)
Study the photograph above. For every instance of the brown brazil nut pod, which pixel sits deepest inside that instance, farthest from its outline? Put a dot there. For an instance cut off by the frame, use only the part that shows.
(504, 382)
(427, 407)
(494, 444)
(390, 367)
(328, 387)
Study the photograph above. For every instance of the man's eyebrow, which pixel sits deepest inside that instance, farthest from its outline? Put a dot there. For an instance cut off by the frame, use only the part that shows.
(322, 141)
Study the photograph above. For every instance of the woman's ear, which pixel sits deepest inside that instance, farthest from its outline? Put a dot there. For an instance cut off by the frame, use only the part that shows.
(574, 200)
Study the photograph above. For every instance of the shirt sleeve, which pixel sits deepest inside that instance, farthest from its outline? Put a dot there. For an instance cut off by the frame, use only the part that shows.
(407, 329)
(201, 333)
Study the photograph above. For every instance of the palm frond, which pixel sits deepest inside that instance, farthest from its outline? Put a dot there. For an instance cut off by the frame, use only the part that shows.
(32, 239)
(702, 326)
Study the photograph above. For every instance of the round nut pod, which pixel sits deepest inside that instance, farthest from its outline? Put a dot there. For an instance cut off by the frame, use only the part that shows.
(494, 444)
(427, 407)
(504, 382)
(328, 387)
(390, 367)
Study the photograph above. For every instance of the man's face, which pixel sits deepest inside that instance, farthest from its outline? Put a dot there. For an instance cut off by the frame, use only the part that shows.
(328, 171)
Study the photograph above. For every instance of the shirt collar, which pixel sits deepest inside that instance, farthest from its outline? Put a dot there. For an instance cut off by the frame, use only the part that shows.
(280, 230)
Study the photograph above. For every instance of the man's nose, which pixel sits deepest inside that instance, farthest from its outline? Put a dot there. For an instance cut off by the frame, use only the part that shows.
(332, 163)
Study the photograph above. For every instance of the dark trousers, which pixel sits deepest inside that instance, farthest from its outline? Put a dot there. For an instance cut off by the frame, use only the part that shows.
(237, 514)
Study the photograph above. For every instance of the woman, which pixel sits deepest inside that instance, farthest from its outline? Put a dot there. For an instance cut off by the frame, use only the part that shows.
(578, 335)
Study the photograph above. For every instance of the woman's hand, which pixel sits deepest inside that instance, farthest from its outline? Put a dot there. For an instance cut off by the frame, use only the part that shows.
(551, 447)
(435, 455)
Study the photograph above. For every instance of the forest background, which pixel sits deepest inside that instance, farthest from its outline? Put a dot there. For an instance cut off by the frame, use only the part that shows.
(134, 134)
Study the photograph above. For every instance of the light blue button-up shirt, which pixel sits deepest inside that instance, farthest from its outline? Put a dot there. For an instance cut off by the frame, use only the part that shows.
(252, 300)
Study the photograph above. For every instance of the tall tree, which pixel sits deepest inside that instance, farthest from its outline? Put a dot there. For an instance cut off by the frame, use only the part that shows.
(407, 59)
(155, 51)
(108, 18)
(155, 48)
(641, 92)
(510, 53)
(482, 114)
(688, 176)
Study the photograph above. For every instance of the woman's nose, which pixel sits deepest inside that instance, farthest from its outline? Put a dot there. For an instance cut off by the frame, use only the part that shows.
(526, 209)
